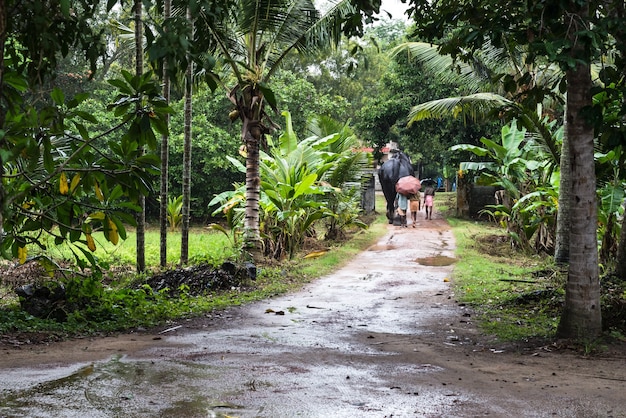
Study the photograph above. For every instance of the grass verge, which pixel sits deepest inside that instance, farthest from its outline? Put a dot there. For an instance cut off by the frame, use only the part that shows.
(121, 304)
(517, 297)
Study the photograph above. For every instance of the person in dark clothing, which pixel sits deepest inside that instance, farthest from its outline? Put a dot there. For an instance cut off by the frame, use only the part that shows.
(429, 197)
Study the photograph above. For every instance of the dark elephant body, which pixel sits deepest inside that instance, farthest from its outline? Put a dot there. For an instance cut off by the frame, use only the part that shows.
(398, 165)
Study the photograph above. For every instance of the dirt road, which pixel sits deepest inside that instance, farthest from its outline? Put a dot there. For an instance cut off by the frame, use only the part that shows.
(382, 337)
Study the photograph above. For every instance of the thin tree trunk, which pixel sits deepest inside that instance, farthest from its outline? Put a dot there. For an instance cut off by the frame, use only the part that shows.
(141, 216)
(581, 318)
(184, 244)
(564, 218)
(167, 10)
(3, 38)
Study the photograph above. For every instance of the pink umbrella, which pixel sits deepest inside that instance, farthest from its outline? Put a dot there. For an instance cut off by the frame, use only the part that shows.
(408, 185)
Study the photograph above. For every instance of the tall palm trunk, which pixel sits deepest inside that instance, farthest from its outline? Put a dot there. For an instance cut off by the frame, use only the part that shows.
(252, 135)
(581, 316)
(3, 38)
(167, 11)
(141, 216)
(184, 244)
(564, 217)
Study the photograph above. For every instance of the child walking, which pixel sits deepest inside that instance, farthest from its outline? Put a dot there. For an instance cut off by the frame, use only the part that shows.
(414, 207)
(429, 197)
(401, 205)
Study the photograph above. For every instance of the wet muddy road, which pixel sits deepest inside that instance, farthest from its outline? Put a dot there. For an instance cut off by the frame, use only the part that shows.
(382, 337)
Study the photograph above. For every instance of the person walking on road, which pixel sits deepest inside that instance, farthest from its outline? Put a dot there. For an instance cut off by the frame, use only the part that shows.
(429, 197)
(414, 207)
(402, 205)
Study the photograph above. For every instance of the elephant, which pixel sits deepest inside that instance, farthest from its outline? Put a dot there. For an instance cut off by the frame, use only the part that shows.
(398, 165)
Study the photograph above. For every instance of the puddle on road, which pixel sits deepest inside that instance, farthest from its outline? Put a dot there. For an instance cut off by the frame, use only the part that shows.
(125, 388)
(436, 261)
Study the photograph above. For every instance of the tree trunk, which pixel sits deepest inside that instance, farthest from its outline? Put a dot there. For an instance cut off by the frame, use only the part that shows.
(564, 217)
(581, 316)
(184, 243)
(141, 216)
(167, 10)
(252, 134)
(3, 38)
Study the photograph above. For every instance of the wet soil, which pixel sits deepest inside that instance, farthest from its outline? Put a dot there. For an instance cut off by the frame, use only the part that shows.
(381, 337)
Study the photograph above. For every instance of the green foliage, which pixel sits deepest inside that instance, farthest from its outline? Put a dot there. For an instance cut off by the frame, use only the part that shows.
(302, 183)
(610, 210)
(205, 247)
(529, 193)
(214, 138)
(59, 180)
(174, 211)
(516, 297)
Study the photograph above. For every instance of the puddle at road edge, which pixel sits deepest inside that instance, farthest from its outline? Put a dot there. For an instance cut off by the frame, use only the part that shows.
(436, 261)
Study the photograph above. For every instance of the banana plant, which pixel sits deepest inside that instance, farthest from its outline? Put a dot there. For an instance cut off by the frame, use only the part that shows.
(296, 190)
(611, 197)
(174, 211)
(520, 169)
(291, 174)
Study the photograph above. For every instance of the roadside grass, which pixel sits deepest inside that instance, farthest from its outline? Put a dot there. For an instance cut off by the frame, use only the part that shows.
(516, 297)
(205, 245)
(121, 305)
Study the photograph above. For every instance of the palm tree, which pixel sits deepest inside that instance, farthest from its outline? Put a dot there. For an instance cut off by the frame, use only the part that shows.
(167, 11)
(582, 317)
(253, 40)
(184, 242)
(141, 216)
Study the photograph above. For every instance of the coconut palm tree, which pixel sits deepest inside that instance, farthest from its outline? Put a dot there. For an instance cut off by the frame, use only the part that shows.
(252, 41)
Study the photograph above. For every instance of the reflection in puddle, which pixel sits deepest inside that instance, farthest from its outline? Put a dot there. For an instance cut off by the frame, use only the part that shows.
(436, 261)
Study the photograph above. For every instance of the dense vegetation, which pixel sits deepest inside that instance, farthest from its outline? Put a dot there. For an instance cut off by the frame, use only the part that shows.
(260, 124)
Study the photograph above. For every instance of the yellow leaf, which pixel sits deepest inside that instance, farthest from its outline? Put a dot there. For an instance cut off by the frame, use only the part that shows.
(97, 215)
(75, 182)
(28, 205)
(21, 254)
(99, 194)
(114, 237)
(90, 242)
(315, 254)
(63, 189)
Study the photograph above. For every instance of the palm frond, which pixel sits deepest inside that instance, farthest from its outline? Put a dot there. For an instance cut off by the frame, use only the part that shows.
(472, 107)
(546, 135)
(321, 33)
(447, 70)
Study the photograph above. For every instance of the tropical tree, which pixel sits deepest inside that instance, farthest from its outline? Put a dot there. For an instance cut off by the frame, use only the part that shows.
(560, 34)
(253, 41)
(165, 154)
(59, 177)
(188, 82)
(141, 215)
(303, 181)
